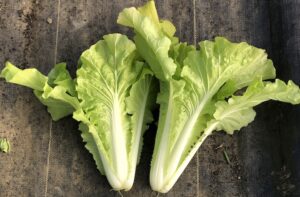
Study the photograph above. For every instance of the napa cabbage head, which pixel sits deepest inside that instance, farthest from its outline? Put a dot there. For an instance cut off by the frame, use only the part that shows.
(116, 93)
(198, 90)
(111, 98)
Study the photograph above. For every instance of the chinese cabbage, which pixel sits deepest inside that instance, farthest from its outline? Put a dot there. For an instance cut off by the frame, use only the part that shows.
(193, 94)
(112, 98)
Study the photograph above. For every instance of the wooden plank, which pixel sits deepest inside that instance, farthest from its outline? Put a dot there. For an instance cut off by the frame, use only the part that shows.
(286, 40)
(254, 151)
(28, 41)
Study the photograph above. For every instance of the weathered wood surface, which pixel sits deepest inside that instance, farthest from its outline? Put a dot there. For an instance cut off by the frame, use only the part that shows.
(48, 158)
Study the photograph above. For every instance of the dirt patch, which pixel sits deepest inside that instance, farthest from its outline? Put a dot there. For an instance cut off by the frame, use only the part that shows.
(284, 182)
(28, 15)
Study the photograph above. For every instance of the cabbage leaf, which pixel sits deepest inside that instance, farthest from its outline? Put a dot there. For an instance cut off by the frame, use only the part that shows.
(56, 91)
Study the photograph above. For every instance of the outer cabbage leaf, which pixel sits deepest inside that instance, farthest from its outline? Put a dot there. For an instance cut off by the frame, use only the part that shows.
(56, 91)
(238, 111)
(261, 68)
(152, 38)
(30, 77)
(149, 10)
(139, 104)
(91, 146)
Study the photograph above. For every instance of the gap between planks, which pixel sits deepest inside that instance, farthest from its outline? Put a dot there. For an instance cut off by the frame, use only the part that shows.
(50, 126)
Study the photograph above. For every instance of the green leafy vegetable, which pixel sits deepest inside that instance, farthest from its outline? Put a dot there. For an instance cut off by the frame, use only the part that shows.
(194, 87)
(111, 97)
(4, 145)
(57, 91)
(213, 88)
(116, 94)
(152, 38)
